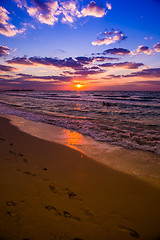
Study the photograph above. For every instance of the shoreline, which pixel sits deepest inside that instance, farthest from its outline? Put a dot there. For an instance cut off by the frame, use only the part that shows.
(144, 165)
(50, 191)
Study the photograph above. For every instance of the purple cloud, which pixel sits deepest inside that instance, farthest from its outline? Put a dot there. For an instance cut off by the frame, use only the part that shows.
(144, 49)
(118, 51)
(60, 63)
(156, 47)
(109, 37)
(4, 68)
(3, 50)
(77, 64)
(20, 61)
(86, 71)
(151, 73)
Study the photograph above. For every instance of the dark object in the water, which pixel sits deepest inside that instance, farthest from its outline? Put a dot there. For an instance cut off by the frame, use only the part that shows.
(107, 104)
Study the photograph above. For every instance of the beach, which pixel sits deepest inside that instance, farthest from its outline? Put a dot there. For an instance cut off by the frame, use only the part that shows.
(50, 191)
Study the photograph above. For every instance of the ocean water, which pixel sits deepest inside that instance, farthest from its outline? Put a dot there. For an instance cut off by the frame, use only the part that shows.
(126, 119)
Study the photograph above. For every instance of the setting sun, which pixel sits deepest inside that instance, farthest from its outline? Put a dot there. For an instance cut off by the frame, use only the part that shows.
(78, 85)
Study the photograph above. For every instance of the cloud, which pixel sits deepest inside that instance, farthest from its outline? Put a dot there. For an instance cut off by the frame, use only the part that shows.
(3, 50)
(151, 73)
(44, 12)
(60, 78)
(108, 6)
(146, 73)
(56, 62)
(7, 28)
(102, 59)
(94, 10)
(144, 49)
(156, 47)
(86, 71)
(109, 37)
(4, 68)
(70, 11)
(84, 60)
(118, 51)
(122, 51)
(20, 61)
(66, 11)
(124, 65)
(60, 63)
(77, 63)
(21, 3)
(25, 84)
(89, 60)
(28, 81)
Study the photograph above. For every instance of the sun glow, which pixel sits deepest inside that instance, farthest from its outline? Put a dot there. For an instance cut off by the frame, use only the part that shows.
(78, 85)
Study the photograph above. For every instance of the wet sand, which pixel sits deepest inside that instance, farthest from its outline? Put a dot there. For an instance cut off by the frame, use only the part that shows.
(50, 191)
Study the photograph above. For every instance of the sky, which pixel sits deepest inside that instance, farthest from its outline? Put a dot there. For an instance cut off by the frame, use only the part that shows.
(80, 45)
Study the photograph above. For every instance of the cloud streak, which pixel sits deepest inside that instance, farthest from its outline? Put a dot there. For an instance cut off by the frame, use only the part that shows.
(4, 68)
(123, 65)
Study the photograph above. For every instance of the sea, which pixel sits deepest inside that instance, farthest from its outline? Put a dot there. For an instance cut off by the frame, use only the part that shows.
(128, 120)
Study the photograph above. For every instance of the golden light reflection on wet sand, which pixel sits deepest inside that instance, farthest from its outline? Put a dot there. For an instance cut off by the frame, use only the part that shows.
(73, 138)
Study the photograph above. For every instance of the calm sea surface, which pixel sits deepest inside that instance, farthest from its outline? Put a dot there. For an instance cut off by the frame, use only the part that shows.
(127, 119)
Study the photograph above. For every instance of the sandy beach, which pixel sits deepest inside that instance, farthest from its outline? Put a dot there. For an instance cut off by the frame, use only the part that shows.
(50, 191)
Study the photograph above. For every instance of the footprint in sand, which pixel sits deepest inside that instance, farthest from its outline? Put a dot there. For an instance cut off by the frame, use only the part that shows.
(14, 214)
(52, 188)
(30, 174)
(25, 160)
(72, 195)
(50, 208)
(11, 203)
(131, 231)
(20, 154)
(45, 169)
(12, 152)
(87, 212)
(2, 139)
(69, 215)
(63, 213)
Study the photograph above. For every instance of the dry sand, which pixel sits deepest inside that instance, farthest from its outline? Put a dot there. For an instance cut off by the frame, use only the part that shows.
(50, 191)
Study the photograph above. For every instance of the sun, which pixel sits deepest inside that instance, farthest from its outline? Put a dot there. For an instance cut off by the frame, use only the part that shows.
(78, 85)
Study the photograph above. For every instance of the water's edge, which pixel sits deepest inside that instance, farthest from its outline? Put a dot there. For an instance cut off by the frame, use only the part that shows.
(135, 162)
